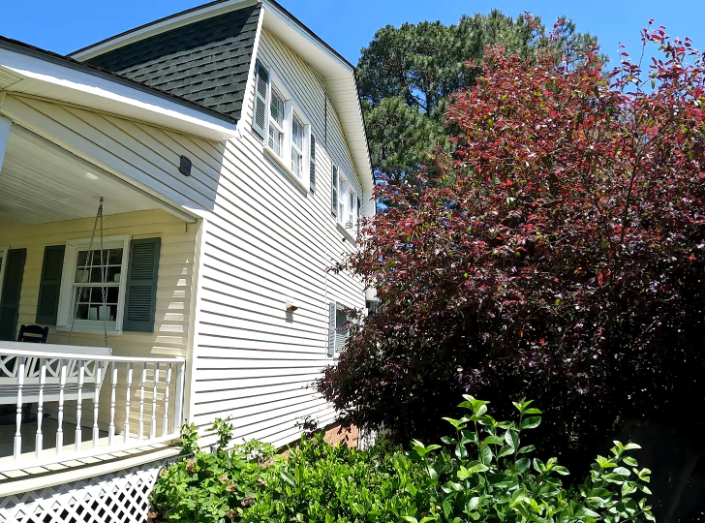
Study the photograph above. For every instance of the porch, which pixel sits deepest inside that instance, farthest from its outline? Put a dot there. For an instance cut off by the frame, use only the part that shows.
(112, 296)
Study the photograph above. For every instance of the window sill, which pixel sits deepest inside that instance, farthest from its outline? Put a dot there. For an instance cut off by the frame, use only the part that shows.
(346, 232)
(280, 162)
(82, 329)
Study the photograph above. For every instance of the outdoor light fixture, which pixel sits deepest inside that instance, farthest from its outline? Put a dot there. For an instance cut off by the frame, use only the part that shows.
(290, 307)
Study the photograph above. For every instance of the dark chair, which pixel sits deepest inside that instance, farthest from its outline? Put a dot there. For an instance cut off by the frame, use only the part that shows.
(33, 334)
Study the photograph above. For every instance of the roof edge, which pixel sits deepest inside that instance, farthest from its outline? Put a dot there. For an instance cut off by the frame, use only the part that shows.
(63, 61)
(162, 25)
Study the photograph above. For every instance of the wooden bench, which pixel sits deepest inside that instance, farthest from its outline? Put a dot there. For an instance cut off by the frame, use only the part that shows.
(52, 358)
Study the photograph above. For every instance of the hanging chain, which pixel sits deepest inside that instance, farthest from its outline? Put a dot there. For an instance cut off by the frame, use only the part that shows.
(84, 275)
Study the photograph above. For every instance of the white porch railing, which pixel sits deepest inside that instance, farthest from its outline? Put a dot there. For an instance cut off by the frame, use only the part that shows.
(144, 398)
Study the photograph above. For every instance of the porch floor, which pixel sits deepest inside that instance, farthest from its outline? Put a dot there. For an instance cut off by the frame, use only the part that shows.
(49, 428)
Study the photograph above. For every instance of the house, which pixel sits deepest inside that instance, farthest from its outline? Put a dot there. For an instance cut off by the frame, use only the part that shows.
(170, 201)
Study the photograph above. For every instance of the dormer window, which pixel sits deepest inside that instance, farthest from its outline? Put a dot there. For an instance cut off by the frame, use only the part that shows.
(288, 131)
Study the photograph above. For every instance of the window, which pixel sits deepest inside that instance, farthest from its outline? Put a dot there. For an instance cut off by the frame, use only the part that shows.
(93, 285)
(297, 146)
(276, 123)
(346, 202)
(284, 128)
(339, 324)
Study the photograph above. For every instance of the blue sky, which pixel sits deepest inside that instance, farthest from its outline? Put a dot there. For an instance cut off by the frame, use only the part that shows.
(66, 25)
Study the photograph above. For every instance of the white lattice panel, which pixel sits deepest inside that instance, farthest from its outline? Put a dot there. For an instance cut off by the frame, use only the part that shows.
(112, 498)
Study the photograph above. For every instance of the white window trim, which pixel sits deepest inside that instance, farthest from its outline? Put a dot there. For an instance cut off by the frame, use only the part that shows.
(345, 189)
(291, 108)
(66, 294)
(3, 264)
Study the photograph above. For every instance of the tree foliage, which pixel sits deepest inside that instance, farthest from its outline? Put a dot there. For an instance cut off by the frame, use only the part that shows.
(407, 74)
(562, 261)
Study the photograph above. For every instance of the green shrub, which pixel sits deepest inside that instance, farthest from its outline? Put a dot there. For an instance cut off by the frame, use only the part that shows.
(327, 484)
(481, 473)
(489, 477)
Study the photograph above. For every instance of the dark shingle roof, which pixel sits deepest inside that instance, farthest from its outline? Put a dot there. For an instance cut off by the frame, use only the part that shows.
(206, 62)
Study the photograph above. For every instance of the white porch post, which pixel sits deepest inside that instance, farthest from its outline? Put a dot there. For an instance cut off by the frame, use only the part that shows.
(5, 127)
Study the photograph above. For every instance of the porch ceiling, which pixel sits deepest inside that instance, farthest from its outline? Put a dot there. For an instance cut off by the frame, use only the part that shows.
(42, 185)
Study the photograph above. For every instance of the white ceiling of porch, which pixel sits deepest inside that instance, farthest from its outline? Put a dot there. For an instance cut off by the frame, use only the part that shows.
(42, 185)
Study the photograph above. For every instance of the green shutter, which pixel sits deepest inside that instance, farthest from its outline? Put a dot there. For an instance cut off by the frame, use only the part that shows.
(312, 185)
(334, 191)
(11, 289)
(141, 296)
(50, 284)
(259, 120)
(332, 313)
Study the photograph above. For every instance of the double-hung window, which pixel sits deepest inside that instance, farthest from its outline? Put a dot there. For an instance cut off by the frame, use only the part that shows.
(93, 285)
(346, 202)
(283, 126)
(276, 123)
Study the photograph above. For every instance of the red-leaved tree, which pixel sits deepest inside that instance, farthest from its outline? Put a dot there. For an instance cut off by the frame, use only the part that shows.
(559, 255)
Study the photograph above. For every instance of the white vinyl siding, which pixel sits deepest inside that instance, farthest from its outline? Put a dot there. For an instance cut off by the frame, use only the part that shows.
(266, 244)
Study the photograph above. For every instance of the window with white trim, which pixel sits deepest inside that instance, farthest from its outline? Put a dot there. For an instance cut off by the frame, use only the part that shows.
(93, 285)
(284, 127)
(348, 202)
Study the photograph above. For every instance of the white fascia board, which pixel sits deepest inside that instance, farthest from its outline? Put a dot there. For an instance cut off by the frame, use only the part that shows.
(161, 26)
(77, 87)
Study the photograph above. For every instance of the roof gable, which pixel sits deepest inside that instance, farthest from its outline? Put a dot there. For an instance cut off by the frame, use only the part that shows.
(206, 62)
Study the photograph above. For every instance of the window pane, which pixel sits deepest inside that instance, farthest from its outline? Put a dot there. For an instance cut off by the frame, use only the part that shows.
(115, 257)
(275, 140)
(297, 133)
(114, 274)
(82, 312)
(113, 293)
(276, 108)
(296, 162)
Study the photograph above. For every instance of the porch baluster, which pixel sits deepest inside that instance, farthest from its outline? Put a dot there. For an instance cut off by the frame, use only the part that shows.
(140, 424)
(111, 428)
(20, 386)
(178, 398)
(39, 443)
(79, 404)
(126, 430)
(96, 403)
(165, 422)
(63, 363)
(153, 424)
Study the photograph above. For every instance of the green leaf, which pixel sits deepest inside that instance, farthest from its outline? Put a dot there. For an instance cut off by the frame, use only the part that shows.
(531, 423)
(291, 480)
(630, 461)
(478, 468)
(561, 470)
(522, 465)
(622, 472)
(512, 438)
(586, 512)
(447, 509)
(505, 451)
(410, 519)
(632, 446)
(485, 454)
(526, 450)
